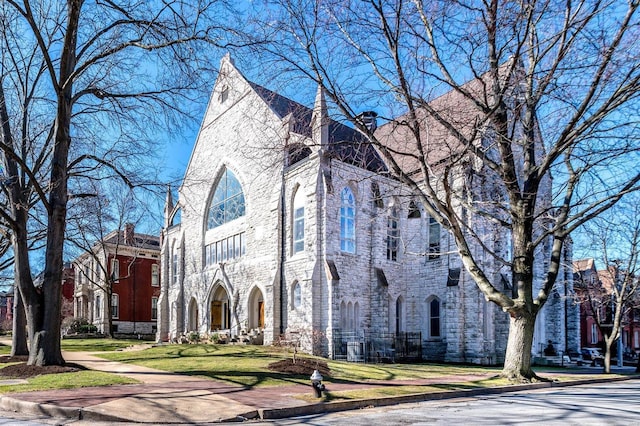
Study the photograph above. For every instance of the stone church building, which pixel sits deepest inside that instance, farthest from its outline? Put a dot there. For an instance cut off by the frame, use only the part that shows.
(286, 227)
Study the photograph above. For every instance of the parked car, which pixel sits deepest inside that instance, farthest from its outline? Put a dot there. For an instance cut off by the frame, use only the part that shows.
(594, 355)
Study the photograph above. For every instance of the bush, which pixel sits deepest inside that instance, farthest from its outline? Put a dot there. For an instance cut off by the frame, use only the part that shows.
(78, 326)
(194, 337)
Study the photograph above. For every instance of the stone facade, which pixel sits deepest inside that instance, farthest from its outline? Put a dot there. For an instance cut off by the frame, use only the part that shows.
(325, 245)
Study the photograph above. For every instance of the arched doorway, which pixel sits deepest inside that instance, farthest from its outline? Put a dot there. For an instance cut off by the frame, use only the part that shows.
(193, 315)
(256, 309)
(220, 311)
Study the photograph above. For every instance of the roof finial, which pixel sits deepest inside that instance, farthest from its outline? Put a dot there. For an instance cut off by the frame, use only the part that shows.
(320, 119)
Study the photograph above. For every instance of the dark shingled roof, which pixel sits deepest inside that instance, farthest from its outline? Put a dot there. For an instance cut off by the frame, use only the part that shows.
(345, 143)
(142, 241)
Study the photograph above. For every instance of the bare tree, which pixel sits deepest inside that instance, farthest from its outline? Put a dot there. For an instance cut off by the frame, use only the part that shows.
(507, 94)
(112, 75)
(101, 229)
(612, 298)
(24, 164)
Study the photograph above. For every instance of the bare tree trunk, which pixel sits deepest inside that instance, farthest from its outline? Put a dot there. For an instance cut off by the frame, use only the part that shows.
(19, 333)
(517, 366)
(607, 355)
(608, 342)
(109, 312)
(45, 316)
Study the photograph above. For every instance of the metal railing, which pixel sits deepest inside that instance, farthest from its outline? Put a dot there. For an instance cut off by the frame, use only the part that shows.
(376, 347)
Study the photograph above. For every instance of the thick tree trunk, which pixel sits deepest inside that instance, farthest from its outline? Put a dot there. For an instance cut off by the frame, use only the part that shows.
(517, 363)
(27, 297)
(19, 333)
(45, 340)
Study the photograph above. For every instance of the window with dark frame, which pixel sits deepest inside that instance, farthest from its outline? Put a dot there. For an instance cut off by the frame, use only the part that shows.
(393, 235)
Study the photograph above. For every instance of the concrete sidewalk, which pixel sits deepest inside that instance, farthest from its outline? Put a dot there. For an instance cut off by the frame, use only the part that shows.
(163, 397)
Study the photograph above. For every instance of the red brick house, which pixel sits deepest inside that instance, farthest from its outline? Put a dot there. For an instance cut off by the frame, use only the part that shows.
(126, 267)
(68, 287)
(586, 277)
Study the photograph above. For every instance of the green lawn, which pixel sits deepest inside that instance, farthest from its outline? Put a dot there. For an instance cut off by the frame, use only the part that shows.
(76, 379)
(98, 345)
(247, 365)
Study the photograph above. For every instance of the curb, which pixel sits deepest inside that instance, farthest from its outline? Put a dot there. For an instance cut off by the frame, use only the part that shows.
(56, 411)
(331, 407)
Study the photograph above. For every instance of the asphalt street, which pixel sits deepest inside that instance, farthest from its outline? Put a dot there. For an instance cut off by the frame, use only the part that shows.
(608, 404)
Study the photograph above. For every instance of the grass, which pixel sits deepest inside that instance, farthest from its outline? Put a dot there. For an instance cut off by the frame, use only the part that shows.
(76, 379)
(241, 365)
(247, 366)
(98, 345)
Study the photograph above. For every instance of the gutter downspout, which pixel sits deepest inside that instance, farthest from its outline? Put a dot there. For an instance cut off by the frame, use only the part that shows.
(283, 238)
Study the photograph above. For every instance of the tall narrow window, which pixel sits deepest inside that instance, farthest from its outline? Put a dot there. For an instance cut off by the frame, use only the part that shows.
(347, 221)
(115, 306)
(434, 317)
(224, 94)
(594, 333)
(434, 238)
(375, 195)
(297, 296)
(356, 316)
(174, 267)
(399, 315)
(154, 308)
(393, 235)
(227, 203)
(98, 307)
(298, 222)
(155, 275)
(115, 270)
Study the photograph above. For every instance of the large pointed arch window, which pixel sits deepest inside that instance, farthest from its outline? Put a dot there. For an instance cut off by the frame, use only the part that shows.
(227, 203)
(347, 221)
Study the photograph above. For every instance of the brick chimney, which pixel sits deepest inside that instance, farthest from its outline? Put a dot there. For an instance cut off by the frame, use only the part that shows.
(129, 233)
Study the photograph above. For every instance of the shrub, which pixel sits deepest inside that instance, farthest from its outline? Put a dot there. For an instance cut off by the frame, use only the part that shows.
(194, 337)
(78, 325)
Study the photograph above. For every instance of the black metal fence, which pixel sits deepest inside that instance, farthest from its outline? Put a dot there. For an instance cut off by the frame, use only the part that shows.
(377, 347)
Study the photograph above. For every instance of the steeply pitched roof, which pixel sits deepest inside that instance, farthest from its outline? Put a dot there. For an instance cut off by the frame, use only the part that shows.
(345, 143)
(440, 143)
(582, 265)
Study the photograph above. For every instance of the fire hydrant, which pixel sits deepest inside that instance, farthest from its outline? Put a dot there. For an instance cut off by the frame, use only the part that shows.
(316, 383)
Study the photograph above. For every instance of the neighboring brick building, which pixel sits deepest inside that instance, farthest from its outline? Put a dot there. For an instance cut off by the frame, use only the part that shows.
(68, 288)
(600, 282)
(289, 226)
(129, 263)
(6, 310)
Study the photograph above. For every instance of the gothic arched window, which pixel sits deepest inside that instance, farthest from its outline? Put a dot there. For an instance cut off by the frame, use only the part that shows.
(347, 221)
(434, 317)
(227, 202)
